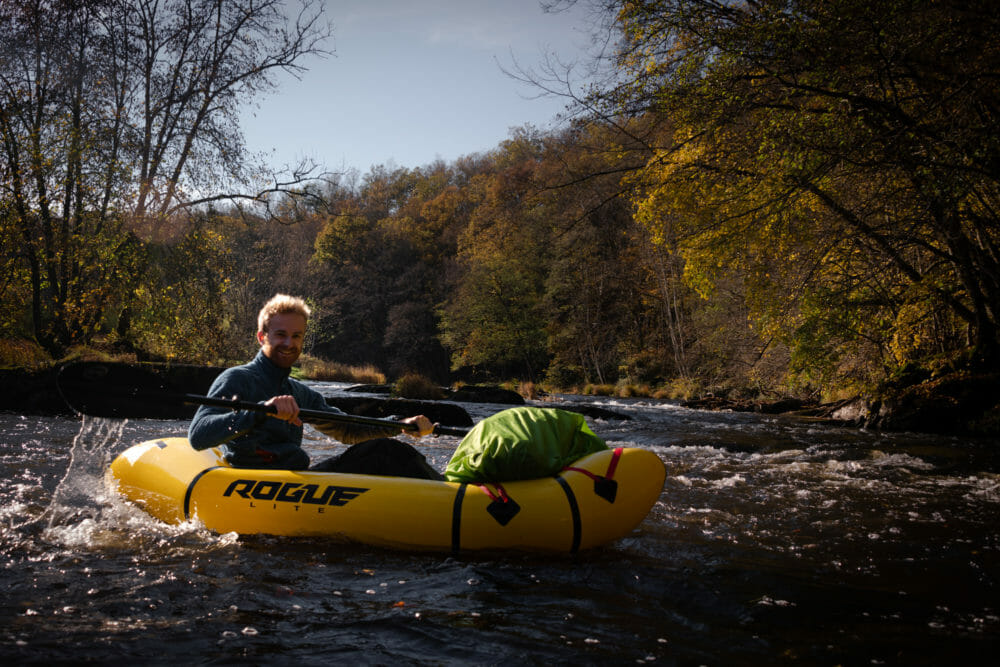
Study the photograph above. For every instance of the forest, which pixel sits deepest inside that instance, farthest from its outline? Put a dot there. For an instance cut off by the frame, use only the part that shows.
(795, 197)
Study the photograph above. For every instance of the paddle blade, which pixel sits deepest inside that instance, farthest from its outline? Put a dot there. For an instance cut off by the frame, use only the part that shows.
(147, 391)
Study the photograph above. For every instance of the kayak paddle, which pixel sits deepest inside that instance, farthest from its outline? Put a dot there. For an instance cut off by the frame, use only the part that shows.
(123, 391)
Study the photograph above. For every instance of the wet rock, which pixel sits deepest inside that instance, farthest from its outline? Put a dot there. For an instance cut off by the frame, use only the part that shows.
(31, 392)
(135, 390)
(598, 412)
(486, 394)
(442, 413)
(854, 411)
(467, 394)
(370, 388)
(781, 406)
(958, 403)
(706, 403)
(718, 403)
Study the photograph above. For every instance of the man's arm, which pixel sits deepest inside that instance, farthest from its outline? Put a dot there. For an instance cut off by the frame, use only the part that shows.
(213, 426)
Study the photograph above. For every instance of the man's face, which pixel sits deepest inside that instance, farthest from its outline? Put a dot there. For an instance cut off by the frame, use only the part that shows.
(282, 342)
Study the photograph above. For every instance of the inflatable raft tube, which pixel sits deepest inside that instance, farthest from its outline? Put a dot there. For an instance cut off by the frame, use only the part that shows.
(600, 498)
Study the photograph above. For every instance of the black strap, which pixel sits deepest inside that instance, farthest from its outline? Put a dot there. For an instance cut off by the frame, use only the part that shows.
(456, 520)
(574, 510)
(190, 490)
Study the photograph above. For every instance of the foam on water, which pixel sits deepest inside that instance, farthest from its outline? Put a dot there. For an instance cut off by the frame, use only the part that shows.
(85, 512)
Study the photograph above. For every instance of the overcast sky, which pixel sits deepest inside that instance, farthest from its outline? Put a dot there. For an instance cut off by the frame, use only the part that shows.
(412, 81)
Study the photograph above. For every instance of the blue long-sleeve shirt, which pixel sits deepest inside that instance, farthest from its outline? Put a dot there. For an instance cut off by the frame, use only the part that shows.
(252, 439)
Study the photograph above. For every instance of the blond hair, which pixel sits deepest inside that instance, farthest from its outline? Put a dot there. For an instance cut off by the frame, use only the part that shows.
(279, 304)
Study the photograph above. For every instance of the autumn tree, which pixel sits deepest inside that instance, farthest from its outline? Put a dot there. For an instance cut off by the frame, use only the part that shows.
(116, 118)
(597, 321)
(837, 158)
(380, 258)
(493, 318)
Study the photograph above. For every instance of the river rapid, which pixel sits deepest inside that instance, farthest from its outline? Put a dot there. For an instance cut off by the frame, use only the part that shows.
(775, 541)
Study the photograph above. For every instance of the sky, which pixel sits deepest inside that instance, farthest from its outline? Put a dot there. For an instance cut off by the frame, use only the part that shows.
(413, 81)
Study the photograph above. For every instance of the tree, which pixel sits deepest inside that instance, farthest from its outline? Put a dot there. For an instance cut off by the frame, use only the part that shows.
(594, 305)
(117, 116)
(493, 318)
(380, 261)
(839, 158)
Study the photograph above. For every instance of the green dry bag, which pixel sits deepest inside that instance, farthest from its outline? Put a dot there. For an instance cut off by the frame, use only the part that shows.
(522, 443)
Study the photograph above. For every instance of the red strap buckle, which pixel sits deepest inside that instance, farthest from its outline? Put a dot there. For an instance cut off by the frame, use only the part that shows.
(604, 486)
(612, 466)
(501, 494)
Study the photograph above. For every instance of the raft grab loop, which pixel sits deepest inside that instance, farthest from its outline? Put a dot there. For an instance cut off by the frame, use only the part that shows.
(604, 486)
(503, 508)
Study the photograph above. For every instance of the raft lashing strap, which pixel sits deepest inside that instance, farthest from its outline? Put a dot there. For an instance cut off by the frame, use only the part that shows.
(456, 520)
(502, 508)
(604, 486)
(190, 490)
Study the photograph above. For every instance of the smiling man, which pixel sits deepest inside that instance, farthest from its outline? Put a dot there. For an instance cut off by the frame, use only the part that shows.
(251, 439)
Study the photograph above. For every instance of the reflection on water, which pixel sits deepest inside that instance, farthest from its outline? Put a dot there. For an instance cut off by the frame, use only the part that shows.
(774, 540)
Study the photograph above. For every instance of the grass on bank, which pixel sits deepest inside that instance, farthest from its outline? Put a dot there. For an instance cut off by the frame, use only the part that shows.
(418, 387)
(312, 368)
(677, 389)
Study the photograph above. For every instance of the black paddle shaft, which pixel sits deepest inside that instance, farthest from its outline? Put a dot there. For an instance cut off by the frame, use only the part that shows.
(124, 391)
(317, 415)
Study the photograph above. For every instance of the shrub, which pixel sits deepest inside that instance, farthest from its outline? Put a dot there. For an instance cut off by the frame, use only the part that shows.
(631, 390)
(417, 386)
(599, 390)
(528, 390)
(332, 371)
(679, 389)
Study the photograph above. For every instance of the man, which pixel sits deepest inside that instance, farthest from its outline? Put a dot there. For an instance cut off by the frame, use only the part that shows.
(251, 439)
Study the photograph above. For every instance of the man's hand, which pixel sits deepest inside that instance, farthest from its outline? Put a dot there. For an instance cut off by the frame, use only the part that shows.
(422, 423)
(288, 409)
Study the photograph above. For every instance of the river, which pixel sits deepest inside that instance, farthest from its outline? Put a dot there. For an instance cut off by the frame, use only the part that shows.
(775, 541)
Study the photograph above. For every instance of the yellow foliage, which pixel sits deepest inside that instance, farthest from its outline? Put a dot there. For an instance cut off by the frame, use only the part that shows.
(22, 353)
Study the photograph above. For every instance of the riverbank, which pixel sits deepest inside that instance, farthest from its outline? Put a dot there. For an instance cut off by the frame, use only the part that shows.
(961, 403)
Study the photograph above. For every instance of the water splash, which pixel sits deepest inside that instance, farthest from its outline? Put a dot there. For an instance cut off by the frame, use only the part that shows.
(85, 512)
(82, 491)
